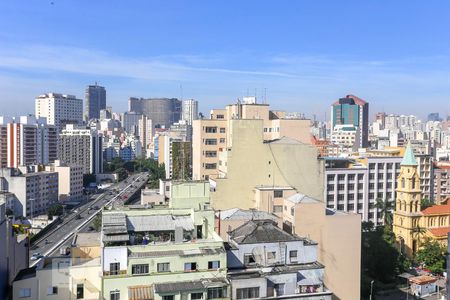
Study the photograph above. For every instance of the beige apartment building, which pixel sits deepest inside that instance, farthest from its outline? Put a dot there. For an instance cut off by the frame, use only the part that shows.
(210, 136)
(70, 181)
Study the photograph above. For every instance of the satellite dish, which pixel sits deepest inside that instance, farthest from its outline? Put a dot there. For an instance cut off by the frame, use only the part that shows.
(259, 255)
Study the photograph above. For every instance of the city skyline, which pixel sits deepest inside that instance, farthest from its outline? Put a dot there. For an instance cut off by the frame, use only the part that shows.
(301, 56)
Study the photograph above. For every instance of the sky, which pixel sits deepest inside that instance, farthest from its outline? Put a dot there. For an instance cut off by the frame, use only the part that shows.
(296, 55)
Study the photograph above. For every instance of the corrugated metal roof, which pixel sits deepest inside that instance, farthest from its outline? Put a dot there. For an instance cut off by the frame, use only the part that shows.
(179, 286)
(159, 223)
(116, 238)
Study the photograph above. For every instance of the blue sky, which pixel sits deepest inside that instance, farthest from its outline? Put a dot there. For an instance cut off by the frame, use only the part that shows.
(304, 54)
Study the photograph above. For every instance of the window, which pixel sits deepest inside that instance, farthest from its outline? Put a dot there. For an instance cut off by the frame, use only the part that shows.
(25, 293)
(163, 267)
(293, 255)
(341, 187)
(114, 295)
(247, 293)
(211, 153)
(350, 206)
(217, 292)
(249, 259)
(220, 117)
(213, 265)
(292, 211)
(52, 290)
(168, 188)
(271, 255)
(196, 296)
(210, 166)
(168, 297)
(222, 130)
(278, 193)
(330, 177)
(279, 289)
(210, 129)
(80, 291)
(189, 267)
(341, 176)
(222, 140)
(211, 142)
(277, 208)
(351, 177)
(114, 268)
(139, 269)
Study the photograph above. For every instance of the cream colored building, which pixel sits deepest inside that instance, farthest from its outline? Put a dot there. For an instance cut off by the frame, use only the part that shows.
(210, 136)
(70, 181)
(253, 162)
(59, 109)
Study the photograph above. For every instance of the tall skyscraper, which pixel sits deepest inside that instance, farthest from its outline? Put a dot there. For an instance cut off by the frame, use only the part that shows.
(59, 109)
(95, 97)
(162, 111)
(349, 113)
(189, 111)
(27, 141)
(83, 147)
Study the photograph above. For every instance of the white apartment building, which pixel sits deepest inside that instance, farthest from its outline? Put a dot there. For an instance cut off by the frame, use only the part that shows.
(27, 140)
(35, 190)
(70, 181)
(189, 111)
(59, 109)
(355, 187)
(82, 147)
(145, 129)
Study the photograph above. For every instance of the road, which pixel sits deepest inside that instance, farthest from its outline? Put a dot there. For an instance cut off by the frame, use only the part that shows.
(84, 214)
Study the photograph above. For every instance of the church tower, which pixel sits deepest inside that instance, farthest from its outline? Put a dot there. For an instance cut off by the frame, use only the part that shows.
(407, 205)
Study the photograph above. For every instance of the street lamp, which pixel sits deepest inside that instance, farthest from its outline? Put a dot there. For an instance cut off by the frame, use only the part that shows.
(371, 289)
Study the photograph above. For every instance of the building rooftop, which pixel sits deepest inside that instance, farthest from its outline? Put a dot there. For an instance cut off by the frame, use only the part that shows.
(241, 214)
(437, 209)
(26, 273)
(440, 232)
(423, 279)
(261, 231)
(285, 141)
(297, 198)
(83, 239)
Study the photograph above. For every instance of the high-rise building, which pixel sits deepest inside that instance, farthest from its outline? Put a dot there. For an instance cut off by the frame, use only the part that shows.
(162, 111)
(59, 109)
(434, 117)
(189, 110)
(70, 181)
(95, 97)
(26, 141)
(145, 129)
(130, 122)
(83, 147)
(352, 112)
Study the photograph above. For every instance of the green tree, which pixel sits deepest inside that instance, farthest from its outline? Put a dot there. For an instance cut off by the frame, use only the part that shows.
(55, 210)
(97, 223)
(8, 212)
(432, 256)
(122, 174)
(385, 207)
(425, 202)
(417, 232)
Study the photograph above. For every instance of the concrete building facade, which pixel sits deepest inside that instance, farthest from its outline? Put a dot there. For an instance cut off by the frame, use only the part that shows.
(59, 109)
(83, 147)
(95, 101)
(162, 111)
(70, 181)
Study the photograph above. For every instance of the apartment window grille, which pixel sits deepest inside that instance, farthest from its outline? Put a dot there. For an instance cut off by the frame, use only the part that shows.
(163, 267)
(247, 293)
(139, 269)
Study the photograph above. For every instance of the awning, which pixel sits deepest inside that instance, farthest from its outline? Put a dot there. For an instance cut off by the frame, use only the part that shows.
(141, 292)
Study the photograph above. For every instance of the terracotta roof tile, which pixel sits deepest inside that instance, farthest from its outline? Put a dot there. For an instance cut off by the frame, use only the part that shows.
(437, 232)
(437, 209)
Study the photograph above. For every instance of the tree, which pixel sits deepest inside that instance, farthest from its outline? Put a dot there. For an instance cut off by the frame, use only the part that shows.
(385, 208)
(417, 233)
(432, 256)
(8, 212)
(55, 210)
(425, 202)
(97, 223)
(122, 174)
